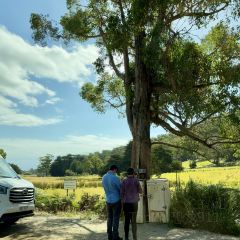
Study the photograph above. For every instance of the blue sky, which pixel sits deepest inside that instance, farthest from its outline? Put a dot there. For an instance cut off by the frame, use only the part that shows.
(40, 108)
(41, 111)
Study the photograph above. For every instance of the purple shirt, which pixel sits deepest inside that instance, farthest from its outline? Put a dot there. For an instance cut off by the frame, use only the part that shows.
(130, 190)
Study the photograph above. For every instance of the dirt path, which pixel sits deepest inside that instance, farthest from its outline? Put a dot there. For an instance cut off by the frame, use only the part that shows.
(55, 227)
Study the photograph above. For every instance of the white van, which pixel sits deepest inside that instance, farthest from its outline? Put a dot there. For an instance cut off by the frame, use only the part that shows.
(16, 195)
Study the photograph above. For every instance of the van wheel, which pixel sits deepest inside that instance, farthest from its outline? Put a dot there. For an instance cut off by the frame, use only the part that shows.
(10, 221)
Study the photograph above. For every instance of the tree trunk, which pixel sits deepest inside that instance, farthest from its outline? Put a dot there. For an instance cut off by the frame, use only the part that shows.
(141, 148)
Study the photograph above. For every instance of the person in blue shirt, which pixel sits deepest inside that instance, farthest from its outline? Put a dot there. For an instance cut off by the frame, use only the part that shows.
(111, 184)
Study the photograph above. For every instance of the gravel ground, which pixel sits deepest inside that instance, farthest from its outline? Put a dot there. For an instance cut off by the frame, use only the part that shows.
(55, 227)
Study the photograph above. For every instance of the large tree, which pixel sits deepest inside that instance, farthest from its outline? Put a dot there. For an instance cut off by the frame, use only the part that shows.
(159, 73)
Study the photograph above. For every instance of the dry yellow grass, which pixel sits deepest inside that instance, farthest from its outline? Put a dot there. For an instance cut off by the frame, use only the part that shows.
(200, 164)
(227, 176)
(57, 182)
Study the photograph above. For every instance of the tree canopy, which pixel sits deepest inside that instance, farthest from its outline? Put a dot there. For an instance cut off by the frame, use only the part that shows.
(45, 164)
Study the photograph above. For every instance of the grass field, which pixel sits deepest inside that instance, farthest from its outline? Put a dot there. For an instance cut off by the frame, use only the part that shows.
(58, 182)
(227, 176)
(200, 164)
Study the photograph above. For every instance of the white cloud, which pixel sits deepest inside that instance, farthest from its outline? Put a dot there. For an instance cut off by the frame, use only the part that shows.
(11, 117)
(53, 100)
(26, 152)
(21, 63)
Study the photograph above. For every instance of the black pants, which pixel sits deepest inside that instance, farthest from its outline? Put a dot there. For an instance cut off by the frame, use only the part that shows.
(113, 211)
(130, 213)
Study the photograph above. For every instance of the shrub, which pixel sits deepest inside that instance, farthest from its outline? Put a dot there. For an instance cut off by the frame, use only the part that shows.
(193, 164)
(53, 203)
(212, 208)
(94, 203)
(176, 166)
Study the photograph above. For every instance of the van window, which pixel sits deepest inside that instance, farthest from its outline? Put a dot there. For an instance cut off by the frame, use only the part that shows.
(6, 170)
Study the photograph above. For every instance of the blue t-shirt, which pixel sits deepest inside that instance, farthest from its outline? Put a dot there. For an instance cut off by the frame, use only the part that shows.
(111, 184)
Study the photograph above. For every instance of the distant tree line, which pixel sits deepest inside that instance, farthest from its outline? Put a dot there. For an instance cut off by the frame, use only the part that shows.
(165, 158)
(93, 163)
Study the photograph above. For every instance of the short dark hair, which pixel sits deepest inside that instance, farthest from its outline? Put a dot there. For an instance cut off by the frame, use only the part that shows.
(130, 171)
(113, 167)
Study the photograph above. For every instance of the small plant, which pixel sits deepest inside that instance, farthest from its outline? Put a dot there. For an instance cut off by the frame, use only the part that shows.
(193, 164)
(54, 203)
(94, 203)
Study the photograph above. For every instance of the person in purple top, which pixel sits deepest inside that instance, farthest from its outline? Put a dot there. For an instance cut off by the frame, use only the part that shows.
(130, 190)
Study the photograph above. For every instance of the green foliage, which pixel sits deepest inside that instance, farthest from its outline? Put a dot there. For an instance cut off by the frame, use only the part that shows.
(69, 172)
(200, 164)
(53, 203)
(161, 160)
(41, 27)
(77, 25)
(94, 203)
(193, 164)
(176, 166)
(62, 163)
(45, 165)
(93, 163)
(165, 159)
(93, 95)
(56, 203)
(3, 153)
(96, 94)
(210, 207)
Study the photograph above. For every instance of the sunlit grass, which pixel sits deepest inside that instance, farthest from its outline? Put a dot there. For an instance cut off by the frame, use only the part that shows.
(200, 164)
(58, 182)
(227, 176)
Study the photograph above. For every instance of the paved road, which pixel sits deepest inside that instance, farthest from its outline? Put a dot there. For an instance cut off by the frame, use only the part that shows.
(62, 228)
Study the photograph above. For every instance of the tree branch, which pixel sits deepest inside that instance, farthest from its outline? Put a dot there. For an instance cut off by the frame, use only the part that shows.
(114, 106)
(177, 146)
(185, 131)
(165, 125)
(197, 14)
(224, 142)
